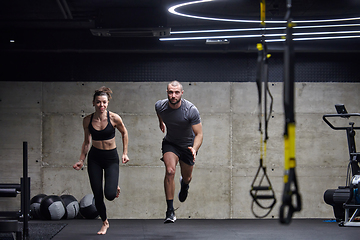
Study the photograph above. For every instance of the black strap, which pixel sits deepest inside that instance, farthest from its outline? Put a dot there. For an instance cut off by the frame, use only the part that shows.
(261, 191)
(291, 200)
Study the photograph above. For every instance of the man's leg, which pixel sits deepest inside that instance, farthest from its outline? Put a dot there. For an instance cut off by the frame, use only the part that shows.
(170, 161)
(186, 172)
(186, 176)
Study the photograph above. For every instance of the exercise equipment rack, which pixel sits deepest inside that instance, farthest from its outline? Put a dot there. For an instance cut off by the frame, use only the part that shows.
(9, 220)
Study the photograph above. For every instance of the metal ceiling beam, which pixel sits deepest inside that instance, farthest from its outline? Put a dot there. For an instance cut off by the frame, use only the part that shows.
(64, 8)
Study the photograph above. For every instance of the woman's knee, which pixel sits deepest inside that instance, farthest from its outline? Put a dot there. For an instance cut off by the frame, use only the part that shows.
(110, 195)
(110, 191)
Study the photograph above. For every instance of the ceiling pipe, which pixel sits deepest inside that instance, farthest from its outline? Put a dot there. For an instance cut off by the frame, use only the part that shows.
(67, 9)
(64, 8)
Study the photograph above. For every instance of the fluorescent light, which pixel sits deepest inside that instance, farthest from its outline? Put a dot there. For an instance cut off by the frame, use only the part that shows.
(324, 33)
(329, 26)
(257, 36)
(209, 37)
(173, 11)
(328, 20)
(262, 29)
(220, 37)
(275, 40)
(314, 38)
(324, 38)
(228, 30)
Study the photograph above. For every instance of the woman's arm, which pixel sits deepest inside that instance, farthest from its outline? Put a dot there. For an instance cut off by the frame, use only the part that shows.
(124, 134)
(85, 146)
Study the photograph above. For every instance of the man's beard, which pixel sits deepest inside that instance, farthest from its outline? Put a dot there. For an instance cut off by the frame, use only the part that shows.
(175, 102)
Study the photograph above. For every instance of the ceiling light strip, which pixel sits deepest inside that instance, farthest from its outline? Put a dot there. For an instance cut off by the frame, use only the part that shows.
(220, 37)
(256, 36)
(314, 38)
(227, 30)
(325, 33)
(173, 11)
(329, 26)
(261, 29)
(211, 37)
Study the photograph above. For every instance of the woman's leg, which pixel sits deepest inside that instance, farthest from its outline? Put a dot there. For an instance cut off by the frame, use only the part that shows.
(111, 181)
(111, 189)
(108, 162)
(95, 172)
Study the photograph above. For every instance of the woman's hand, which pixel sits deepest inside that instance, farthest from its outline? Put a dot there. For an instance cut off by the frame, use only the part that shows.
(125, 158)
(79, 165)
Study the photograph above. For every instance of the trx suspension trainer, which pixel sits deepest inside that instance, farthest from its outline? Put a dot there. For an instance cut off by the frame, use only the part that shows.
(291, 192)
(261, 189)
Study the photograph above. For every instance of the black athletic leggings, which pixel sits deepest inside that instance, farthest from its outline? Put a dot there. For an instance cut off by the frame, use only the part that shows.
(106, 161)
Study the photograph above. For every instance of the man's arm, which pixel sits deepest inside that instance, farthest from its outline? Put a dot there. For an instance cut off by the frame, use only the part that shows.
(161, 124)
(197, 129)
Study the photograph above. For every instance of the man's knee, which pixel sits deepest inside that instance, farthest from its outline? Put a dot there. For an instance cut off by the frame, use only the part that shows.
(170, 172)
(170, 160)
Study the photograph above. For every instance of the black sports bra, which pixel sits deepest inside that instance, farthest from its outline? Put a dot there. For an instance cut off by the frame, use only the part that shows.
(107, 133)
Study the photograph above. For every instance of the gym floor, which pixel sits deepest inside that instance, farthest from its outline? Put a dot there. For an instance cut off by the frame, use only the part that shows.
(269, 229)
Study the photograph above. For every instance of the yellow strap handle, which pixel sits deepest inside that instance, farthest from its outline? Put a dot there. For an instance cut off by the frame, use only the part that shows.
(289, 151)
(262, 12)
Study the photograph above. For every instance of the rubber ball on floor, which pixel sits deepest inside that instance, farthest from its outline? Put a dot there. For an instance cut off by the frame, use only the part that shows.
(52, 207)
(71, 205)
(87, 207)
(35, 206)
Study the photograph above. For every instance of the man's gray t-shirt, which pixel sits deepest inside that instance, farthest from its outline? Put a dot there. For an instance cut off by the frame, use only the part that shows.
(179, 121)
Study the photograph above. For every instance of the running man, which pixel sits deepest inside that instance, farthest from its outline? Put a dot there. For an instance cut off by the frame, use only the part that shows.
(183, 139)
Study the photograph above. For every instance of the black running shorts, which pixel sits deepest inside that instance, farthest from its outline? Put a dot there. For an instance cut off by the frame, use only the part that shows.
(184, 154)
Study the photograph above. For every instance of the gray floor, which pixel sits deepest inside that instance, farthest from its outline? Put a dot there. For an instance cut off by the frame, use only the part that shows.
(208, 229)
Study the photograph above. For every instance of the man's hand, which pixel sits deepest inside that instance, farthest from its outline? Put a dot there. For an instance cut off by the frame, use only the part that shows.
(162, 127)
(193, 152)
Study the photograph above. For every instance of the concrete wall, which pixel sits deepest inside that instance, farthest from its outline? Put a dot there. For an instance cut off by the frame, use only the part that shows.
(49, 117)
